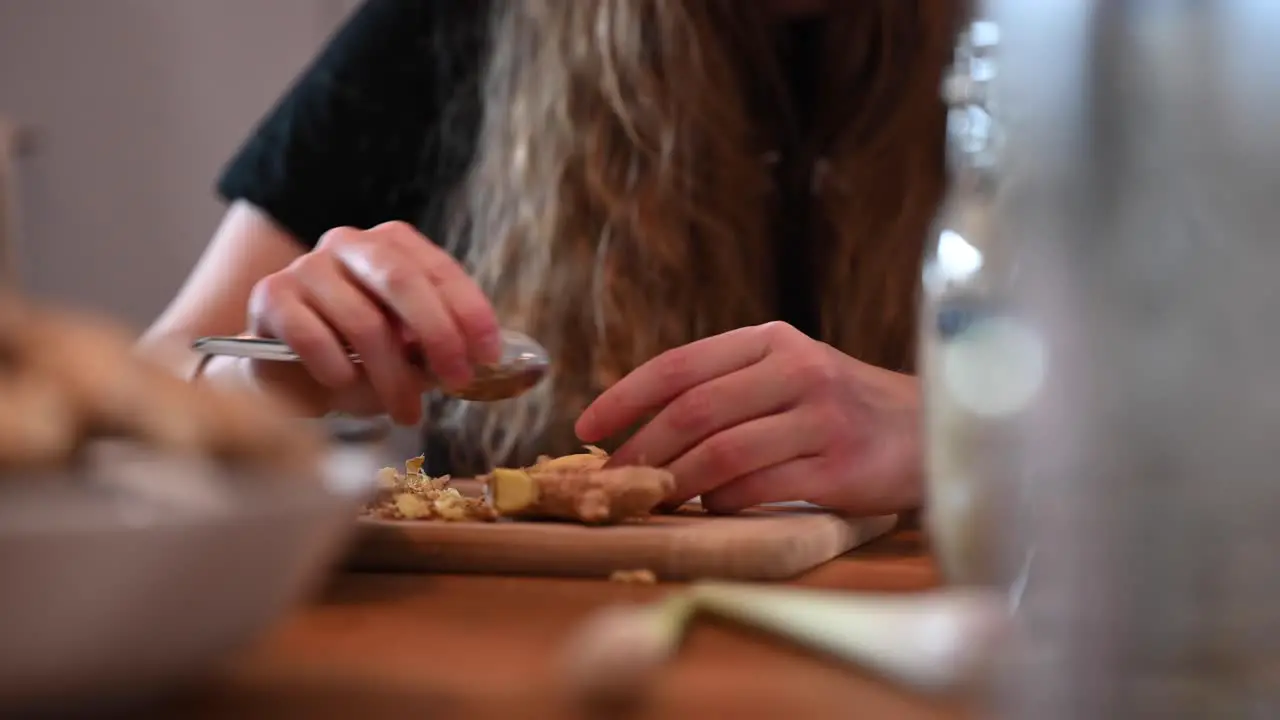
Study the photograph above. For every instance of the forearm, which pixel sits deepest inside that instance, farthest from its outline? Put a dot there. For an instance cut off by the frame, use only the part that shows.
(247, 247)
(287, 381)
(173, 352)
(214, 300)
(170, 350)
(227, 373)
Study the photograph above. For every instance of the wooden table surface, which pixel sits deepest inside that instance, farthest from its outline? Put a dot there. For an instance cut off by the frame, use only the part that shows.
(391, 646)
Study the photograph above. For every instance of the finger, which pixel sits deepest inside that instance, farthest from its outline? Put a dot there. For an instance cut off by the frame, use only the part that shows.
(357, 400)
(403, 287)
(277, 310)
(355, 317)
(800, 478)
(662, 379)
(743, 450)
(864, 485)
(462, 296)
(468, 306)
(753, 392)
(441, 341)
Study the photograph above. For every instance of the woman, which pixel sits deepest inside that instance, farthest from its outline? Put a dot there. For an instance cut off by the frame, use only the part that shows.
(711, 213)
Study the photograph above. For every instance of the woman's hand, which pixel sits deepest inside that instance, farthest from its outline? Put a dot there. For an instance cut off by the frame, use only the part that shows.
(766, 414)
(381, 292)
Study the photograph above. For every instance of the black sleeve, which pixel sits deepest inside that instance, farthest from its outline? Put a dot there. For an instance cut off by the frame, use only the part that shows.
(352, 141)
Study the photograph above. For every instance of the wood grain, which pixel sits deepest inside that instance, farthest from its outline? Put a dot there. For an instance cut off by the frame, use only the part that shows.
(773, 543)
(476, 646)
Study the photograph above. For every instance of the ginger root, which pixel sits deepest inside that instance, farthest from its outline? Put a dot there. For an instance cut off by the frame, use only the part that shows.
(68, 379)
(415, 495)
(570, 487)
(594, 459)
(634, 577)
(578, 487)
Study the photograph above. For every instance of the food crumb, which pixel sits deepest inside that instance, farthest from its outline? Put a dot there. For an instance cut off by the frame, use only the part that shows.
(414, 495)
(634, 577)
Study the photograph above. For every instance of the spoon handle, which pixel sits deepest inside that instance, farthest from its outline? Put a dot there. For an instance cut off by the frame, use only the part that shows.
(255, 348)
(524, 362)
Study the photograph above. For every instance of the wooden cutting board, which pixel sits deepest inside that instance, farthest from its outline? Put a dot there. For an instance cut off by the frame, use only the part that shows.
(770, 543)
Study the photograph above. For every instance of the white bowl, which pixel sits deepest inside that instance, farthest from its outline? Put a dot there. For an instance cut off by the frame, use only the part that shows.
(144, 576)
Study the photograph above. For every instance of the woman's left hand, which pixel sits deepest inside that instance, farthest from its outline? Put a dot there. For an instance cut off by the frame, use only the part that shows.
(766, 414)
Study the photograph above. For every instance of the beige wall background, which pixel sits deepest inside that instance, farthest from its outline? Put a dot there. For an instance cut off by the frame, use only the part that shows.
(132, 106)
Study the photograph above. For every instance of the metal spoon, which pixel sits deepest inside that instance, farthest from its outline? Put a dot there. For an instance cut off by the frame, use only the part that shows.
(524, 362)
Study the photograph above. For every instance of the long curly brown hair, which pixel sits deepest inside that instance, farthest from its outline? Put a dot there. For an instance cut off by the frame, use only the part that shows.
(621, 204)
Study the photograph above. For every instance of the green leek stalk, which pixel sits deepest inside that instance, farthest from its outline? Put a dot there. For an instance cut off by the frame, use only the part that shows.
(933, 642)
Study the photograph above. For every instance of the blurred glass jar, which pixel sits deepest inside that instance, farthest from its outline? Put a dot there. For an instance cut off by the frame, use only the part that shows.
(980, 365)
(1097, 353)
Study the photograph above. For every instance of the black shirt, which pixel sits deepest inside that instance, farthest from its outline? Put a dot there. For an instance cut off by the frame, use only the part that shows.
(383, 124)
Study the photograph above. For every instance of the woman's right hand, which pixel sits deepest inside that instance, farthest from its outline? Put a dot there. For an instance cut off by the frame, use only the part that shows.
(380, 291)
